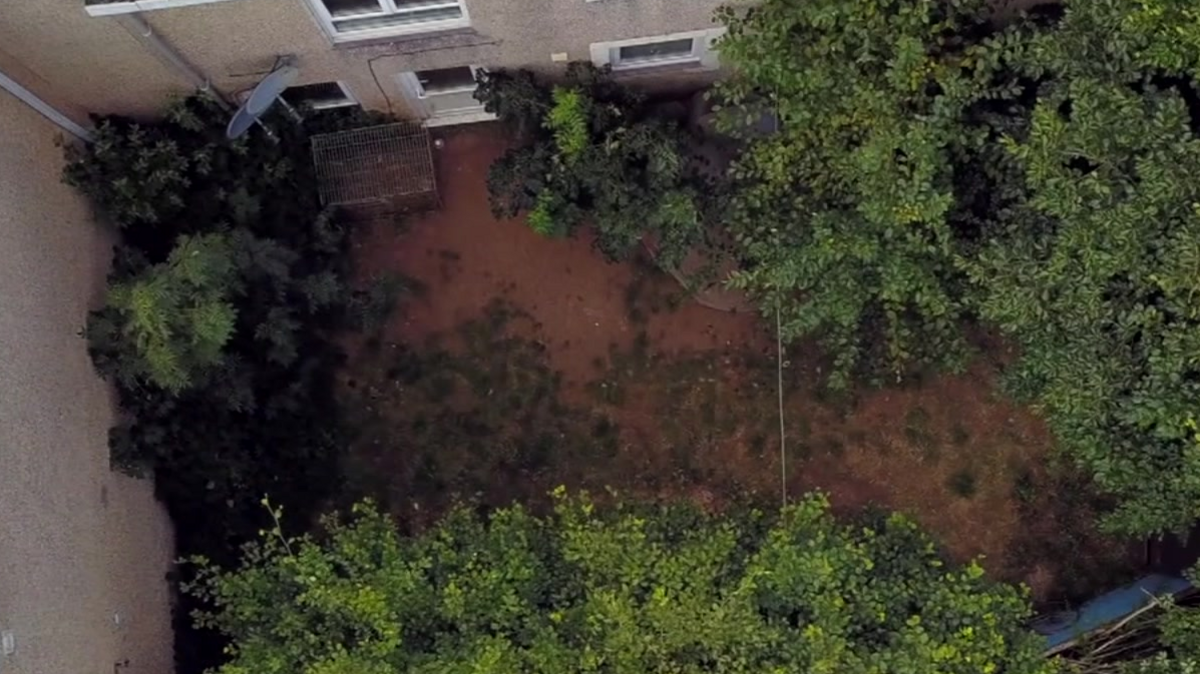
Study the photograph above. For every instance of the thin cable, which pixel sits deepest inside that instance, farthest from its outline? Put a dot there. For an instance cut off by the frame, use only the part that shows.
(371, 67)
(779, 389)
(779, 346)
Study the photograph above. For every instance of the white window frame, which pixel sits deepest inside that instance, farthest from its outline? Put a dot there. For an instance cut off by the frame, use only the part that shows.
(702, 56)
(388, 7)
(422, 92)
(350, 100)
(417, 97)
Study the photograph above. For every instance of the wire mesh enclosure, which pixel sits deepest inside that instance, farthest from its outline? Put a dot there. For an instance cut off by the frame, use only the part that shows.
(387, 167)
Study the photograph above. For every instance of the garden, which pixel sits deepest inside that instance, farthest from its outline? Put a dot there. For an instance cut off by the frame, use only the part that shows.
(849, 364)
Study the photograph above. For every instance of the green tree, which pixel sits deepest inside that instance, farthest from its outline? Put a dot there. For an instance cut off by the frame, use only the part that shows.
(858, 118)
(615, 589)
(1095, 272)
(175, 317)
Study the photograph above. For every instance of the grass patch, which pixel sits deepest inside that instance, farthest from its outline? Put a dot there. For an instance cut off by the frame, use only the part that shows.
(483, 420)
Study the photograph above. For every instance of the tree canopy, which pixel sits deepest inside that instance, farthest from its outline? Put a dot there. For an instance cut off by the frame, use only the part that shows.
(632, 588)
(1094, 273)
(930, 170)
(845, 210)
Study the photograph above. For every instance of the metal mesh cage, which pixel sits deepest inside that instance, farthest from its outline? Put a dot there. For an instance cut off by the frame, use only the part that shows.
(391, 164)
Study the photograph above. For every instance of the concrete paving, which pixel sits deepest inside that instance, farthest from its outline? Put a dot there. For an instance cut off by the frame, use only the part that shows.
(83, 551)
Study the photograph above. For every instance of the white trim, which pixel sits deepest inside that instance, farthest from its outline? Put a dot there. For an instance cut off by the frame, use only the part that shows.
(424, 93)
(388, 8)
(132, 6)
(471, 117)
(703, 54)
(48, 111)
(419, 101)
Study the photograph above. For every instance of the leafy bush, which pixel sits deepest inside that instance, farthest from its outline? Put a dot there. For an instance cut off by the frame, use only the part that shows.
(226, 288)
(568, 119)
(590, 154)
(628, 589)
(169, 323)
(845, 204)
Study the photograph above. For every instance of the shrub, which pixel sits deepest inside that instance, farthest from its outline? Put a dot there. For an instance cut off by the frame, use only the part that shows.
(590, 154)
(170, 323)
(227, 286)
(626, 589)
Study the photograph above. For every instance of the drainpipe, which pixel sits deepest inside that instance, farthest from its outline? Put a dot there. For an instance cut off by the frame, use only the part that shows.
(48, 111)
(142, 32)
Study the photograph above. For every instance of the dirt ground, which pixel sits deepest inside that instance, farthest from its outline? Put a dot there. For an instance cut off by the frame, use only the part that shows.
(524, 362)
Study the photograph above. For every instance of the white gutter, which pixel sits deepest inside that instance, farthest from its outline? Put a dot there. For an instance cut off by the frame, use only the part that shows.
(48, 111)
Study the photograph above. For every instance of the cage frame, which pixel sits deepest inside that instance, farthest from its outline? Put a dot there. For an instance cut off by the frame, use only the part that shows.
(389, 165)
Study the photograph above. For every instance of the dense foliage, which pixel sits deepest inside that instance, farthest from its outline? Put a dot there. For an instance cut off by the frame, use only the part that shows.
(1095, 271)
(845, 208)
(173, 319)
(591, 153)
(927, 170)
(227, 282)
(599, 589)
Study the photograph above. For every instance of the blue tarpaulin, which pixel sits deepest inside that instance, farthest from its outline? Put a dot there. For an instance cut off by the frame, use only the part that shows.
(1064, 628)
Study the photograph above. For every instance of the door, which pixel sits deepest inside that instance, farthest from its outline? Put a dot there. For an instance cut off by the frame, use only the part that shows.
(444, 95)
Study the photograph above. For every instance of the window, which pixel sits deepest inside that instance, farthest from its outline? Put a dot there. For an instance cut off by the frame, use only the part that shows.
(320, 96)
(446, 80)
(363, 19)
(655, 52)
(694, 48)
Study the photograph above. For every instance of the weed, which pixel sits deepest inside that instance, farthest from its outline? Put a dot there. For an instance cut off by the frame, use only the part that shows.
(916, 431)
(833, 445)
(1025, 486)
(959, 435)
(803, 428)
(758, 445)
(963, 483)
(916, 421)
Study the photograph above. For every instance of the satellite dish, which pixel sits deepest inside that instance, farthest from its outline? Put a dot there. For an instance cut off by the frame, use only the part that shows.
(260, 100)
(240, 124)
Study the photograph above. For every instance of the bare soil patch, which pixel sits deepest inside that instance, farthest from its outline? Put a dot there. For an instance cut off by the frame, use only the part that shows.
(526, 362)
